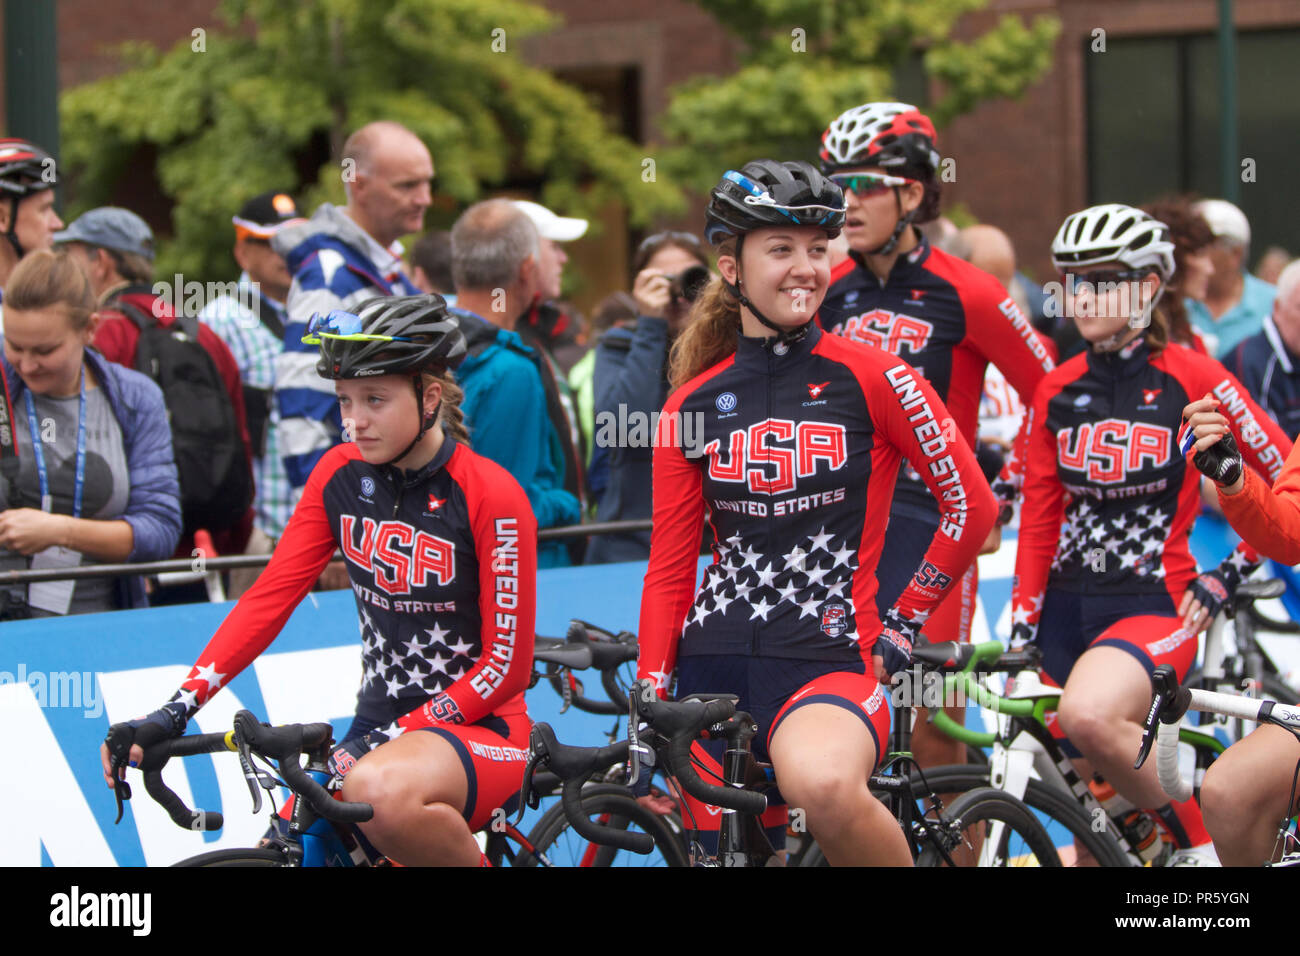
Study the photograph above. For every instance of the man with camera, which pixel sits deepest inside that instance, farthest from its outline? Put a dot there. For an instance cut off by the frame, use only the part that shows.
(631, 384)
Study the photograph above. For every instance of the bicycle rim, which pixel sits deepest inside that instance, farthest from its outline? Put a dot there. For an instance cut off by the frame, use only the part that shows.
(253, 856)
(990, 828)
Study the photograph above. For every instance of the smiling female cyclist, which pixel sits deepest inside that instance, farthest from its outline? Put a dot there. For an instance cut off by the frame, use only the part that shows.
(791, 439)
(441, 547)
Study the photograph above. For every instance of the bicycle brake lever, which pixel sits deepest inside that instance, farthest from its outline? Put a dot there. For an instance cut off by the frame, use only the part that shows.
(566, 689)
(250, 772)
(117, 759)
(1164, 684)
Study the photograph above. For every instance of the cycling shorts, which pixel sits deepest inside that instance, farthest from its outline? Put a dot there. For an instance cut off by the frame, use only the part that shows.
(906, 541)
(493, 753)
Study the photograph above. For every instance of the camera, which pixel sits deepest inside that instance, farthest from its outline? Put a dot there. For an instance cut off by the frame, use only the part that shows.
(688, 284)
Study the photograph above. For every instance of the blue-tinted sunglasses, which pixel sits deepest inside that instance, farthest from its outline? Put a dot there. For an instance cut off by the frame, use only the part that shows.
(338, 324)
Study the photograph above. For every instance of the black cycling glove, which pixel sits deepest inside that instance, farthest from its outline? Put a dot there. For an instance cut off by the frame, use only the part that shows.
(163, 724)
(894, 645)
(1214, 589)
(1221, 462)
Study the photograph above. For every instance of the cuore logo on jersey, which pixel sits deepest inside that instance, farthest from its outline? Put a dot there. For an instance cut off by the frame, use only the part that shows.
(726, 401)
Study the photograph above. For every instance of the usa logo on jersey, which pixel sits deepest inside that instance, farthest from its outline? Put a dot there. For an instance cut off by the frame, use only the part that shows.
(835, 619)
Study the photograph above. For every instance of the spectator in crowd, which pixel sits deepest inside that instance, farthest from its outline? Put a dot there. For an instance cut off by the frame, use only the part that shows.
(28, 219)
(338, 259)
(116, 249)
(1193, 265)
(631, 383)
(544, 326)
(1271, 264)
(1268, 363)
(251, 323)
(94, 479)
(616, 310)
(431, 264)
(495, 266)
(1236, 302)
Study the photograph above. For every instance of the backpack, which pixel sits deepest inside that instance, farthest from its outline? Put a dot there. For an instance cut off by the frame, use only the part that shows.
(216, 486)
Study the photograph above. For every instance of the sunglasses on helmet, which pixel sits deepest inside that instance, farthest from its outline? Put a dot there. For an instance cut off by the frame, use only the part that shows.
(866, 185)
(338, 324)
(761, 197)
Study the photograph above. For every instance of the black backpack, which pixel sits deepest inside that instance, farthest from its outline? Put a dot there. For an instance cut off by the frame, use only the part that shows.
(216, 486)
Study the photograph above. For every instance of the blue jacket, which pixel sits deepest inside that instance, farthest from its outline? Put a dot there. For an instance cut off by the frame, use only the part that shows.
(1271, 373)
(153, 508)
(332, 263)
(631, 387)
(505, 412)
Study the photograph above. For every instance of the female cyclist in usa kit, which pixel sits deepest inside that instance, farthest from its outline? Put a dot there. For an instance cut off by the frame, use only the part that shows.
(791, 440)
(441, 548)
(1105, 582)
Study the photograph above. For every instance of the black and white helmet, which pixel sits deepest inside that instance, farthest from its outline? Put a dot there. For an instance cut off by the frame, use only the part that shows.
(415, 333)
(1114, 232)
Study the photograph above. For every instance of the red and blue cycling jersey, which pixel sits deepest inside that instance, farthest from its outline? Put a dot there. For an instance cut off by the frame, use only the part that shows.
(443, 566)
(794, 452)
(948, 320)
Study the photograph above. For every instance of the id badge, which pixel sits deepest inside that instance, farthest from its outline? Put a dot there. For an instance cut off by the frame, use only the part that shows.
(53, 596)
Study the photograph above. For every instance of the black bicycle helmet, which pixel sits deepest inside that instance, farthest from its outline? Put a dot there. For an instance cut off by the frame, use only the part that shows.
(426, 338)
(767, 194)
(25, 169)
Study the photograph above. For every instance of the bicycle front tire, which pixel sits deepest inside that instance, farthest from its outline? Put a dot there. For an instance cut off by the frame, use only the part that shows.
(253, 856)
(1059, 808)
(991, 828)
(611, 805)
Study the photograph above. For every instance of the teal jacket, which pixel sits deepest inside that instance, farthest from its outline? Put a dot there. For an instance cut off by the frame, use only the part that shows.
(505, 412)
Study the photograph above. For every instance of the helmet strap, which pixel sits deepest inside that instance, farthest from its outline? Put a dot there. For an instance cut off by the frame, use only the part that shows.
(12, 234)
(783, 336)
(904, 220)
(426, 421)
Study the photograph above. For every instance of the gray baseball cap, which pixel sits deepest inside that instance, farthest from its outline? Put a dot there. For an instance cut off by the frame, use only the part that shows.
(112, 228)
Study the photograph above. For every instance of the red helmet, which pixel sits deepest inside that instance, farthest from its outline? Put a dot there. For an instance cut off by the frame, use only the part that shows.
(25, 168)
(889, 135)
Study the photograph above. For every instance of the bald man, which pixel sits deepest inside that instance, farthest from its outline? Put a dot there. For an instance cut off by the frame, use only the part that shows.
(338, 259)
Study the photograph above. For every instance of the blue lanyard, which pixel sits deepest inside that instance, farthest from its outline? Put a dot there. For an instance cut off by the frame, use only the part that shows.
(47, 500)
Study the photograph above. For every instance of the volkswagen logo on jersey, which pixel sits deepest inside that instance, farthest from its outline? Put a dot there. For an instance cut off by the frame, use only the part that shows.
(726, 401)
(1083, 400)
(367, 486)
(834, 619)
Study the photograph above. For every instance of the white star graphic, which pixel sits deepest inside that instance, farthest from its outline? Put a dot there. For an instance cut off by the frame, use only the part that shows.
(721, 603)
(836, 588)
(394, 685)
(461, 647)
(750, 558)
(742, 591)
(765, 577)
(817, 573)
(1019, 615)
(1128, 560)
(761, 609)
(795, 559)
(842, 557)
(188, 698)
(788, 592)
(393, 731)
(735, 541)
(820, 540)
(438, 662)
(659, 677)
(437, 633)
(809, 608)
(414, 647)
(209, 674)
(700, 611)
(1152, 545)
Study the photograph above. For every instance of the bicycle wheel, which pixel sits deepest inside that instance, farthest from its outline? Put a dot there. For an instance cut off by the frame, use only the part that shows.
(990, 827)
(555, 840)
(253, 856)
(1060, 813)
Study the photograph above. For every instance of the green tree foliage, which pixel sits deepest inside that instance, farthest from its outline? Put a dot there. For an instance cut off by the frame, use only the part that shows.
(805, 61)
(266, 103)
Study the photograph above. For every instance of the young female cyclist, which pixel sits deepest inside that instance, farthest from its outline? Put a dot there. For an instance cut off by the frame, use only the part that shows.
(797, 448)
(441, 549)
(1252, 787)
(1104, 579)
(942, 315)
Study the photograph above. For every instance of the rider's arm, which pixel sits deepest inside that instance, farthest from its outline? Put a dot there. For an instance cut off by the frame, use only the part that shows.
(670, 578)
(1268, 520)
(925, 434)
(505, 533)
(257, 618)
(1040, 516)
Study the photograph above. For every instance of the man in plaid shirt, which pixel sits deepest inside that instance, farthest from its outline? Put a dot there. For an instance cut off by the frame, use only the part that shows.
(252, 326)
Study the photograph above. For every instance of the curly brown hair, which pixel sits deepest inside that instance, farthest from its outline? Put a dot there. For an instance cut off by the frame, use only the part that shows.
(1190, 233)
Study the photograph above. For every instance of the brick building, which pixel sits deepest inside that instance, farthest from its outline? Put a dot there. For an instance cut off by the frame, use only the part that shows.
(1125, 121)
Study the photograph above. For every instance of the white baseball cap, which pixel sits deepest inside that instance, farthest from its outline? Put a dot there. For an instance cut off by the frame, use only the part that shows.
(1225, 220)
(549, 225)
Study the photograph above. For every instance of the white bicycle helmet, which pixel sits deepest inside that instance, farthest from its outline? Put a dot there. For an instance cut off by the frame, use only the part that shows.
(881, 134)
(1114, 232)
